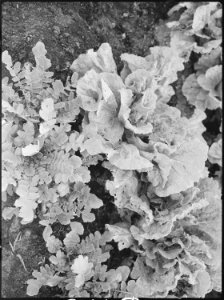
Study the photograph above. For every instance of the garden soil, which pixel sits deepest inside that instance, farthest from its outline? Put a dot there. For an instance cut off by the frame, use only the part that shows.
(68, 29)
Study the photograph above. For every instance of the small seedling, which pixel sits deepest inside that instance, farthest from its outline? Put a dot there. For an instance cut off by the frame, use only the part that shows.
(13, 248)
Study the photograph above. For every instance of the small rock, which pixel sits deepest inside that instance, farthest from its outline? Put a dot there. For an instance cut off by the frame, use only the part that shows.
(68, 64)
(27, 233)
(56, 30)
(70, 50)
(125, 15)
(123, 36)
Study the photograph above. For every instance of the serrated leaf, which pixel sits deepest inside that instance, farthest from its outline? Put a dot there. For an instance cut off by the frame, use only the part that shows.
(71, 240)
(94, 201)
(63, 189)
(53, 244)
(58, 87)
(6, 59)
(47, 111)
(54, 281)
(33, 287)
(9, 212)
(45, 127)
(31, 149)
(88, 216)
(77, 227)
(81, 265)
(39, 52)
(81, 174)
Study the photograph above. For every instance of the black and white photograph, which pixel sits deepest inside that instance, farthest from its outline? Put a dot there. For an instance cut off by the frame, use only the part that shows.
(111, 150)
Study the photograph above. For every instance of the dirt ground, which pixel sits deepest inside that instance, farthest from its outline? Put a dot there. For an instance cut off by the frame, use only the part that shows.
(67, 30)
(70, 28)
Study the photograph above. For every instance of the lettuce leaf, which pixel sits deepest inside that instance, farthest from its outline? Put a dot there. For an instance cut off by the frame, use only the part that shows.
(168, 126)
(123, 186)
(202, 16)
(203, 285)
(215, 153)
(134, 62)
(120, 233)
(135, 117)
(194, 126)
(179, 170)
(90, 90)
(197, 96)
(127, 157)
(151, 284)
(96, 145)
(105, 118)
(209, 60)
(140, 80)
(163, 63)
(212, 81)
(209, 217)
(100, 61)
(201, 20)
(182, 44)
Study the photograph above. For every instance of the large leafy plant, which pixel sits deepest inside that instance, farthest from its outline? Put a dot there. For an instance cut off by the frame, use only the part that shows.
(197, 28)
(169, 208)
